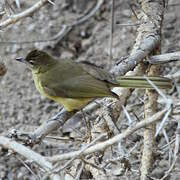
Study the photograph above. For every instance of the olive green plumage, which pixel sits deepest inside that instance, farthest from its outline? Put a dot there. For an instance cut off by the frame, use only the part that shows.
(75, 84)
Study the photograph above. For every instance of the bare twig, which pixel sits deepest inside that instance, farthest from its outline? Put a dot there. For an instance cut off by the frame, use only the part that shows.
(170, 169)
(165, 118)
(130, 121)
(51, 125)
(177, 142)
(26, 152)
(14, 18)
(164, 58)
(28, 168)
(176, 150)
(110, 142)
(80, 153)
(79, 171)
(169, 147)
(167, 101)
(58, 169)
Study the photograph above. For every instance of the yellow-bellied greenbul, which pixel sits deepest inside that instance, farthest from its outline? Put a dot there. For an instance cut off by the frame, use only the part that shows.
(75, 84)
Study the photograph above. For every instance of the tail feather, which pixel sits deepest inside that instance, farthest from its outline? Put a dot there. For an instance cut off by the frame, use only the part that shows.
(141, 82)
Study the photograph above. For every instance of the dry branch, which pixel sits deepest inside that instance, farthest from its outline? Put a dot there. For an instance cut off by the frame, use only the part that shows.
(154, 13)
(165, 58)
(26, 152)
(14, 18)
(103, 145)
(51, 125)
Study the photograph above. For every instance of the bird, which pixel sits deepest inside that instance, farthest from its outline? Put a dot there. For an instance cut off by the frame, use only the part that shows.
(75, 84)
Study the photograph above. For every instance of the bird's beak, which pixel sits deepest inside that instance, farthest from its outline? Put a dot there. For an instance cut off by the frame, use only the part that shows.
(21, 59)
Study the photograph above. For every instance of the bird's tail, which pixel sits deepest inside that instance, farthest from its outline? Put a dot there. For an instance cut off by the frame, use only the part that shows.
(142, 82)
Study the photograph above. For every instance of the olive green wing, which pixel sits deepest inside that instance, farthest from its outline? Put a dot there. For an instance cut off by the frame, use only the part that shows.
(73, 82)
(98, 73)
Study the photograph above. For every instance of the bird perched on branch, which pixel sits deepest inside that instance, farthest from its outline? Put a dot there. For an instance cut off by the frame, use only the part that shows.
(75, 84)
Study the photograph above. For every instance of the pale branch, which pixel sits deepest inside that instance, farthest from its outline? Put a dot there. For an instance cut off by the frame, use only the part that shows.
(57, 168)
(164, 58)
(177, 141)
(150, 106)
(80, 153)
(58, 121)
(175, 155)
(167, 173)
(28, 12)
(26, 152)
(148, 37)
(103, 145)
(147, 46)
(51, 125)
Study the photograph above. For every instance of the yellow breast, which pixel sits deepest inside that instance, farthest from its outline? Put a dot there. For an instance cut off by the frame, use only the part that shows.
(70, 104)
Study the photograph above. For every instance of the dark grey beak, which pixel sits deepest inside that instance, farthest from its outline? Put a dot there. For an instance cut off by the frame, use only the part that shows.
(21, 59)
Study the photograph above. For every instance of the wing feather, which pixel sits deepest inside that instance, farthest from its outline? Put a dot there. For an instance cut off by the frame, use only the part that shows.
(73, 81)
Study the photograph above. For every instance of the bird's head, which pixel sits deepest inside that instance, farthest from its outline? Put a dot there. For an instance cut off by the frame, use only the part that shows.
(37, 59)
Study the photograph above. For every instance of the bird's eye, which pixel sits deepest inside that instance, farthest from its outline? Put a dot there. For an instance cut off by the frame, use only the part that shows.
(31, 62)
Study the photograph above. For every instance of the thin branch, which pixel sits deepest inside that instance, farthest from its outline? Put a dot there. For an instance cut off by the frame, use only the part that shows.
(103, 145)
(164, 120)
(148, 44)
(164, 58)
(80, 153)
(177, 141)
(169, 147)
(51, 125)
(78, 175)
(28, 168)
(58, 169)
(15, 18)
(26, 152)
(170, 169)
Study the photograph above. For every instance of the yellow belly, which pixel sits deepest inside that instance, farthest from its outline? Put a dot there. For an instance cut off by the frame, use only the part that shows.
(70, 104)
